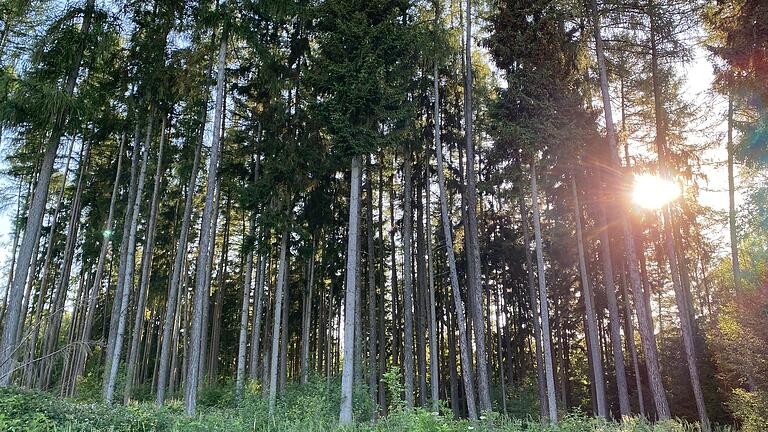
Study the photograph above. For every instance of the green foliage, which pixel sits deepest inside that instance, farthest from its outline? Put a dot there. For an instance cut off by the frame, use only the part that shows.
(750, 409)
(394, 383)
(30, 411)
(311, 407)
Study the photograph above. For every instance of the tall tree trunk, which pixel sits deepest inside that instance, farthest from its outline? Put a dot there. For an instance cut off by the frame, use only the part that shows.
(221, 277)
(243, 339)
(630, 338)
(534, 303)
(82, 352)
(466, 357)
(473, 254)
(382, 294)
(276, 322)
(407, 234)
(258, 306)
(307, 314)
(434, 373)
(396, 329)
(645, 322)
(201, 288)
(594, 347)
(548, 365)
(613, 313)
(421, 298)
(146, 268)
(345, 412)
(121, 267)
(56, 310)
(372, 327)
(681, 297)
(43, 291)
(170, 320)
(282, 363)
(8, 346)
(114, 360)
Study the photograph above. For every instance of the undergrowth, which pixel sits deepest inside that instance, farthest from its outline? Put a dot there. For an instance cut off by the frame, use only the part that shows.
(308, 408)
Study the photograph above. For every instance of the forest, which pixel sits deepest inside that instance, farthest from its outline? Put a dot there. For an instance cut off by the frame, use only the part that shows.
(384, 215)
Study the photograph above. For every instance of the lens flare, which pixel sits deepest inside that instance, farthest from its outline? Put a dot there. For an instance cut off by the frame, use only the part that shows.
(653, 192)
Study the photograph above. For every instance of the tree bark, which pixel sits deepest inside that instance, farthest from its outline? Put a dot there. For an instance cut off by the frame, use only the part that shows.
(276, 322)
(434, 373)
(258, 306)
(408, 365)
(82, 352)
(307, 315)
(146, 269)
(201, 288)
(127, 280)
(121, 268)
(466, 357)
(548, 365)
(169, 322)
(473, 254)
(540, 378)
(345, 412)
(243, 339)
(597, 364)
(371, 259)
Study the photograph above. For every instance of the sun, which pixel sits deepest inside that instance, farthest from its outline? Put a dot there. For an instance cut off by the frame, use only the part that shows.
(652, 192)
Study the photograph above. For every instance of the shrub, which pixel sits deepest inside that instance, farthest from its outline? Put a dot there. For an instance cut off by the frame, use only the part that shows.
(750, 409)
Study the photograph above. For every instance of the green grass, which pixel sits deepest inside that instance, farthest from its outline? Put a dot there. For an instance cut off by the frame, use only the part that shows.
(313, 407)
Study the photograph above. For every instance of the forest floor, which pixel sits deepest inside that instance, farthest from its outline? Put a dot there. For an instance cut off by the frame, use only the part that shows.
(308, 408)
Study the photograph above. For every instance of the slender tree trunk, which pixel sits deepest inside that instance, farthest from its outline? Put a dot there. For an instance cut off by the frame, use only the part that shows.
(146, 268)
(56, 310)
(345, 413)
(644, 319)
(170, 321)
(613, 313)
(421, 298)
(382, 294)
(466, 362)
(307, 315)
(8, 347)
(258, 306)
(221, 277)
(190, 387)
(548, 365)
(408, 365)
(473, 254)
(82, 352)
(630, 337)
(121, 267)
(127, 281)
(243, 339)
(276, 322)
(396, 329)
(43, 291)
(282, 363)
(205, 314)
(434, 372)
(540, 378)
(594, 347)
(372, 327)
